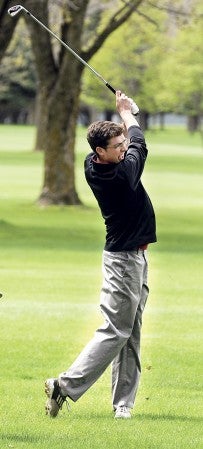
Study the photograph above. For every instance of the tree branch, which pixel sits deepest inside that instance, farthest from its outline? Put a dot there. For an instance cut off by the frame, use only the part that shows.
(147, 18)
(70, 3)
(178, 12)
(114, 22)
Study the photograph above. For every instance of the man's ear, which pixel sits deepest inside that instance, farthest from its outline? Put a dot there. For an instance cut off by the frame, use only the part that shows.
(100, 151)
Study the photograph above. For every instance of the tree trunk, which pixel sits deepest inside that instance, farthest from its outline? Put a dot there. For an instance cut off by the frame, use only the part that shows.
(144, 120)
(41, 119)
(193, 123)
(108, 113)
(59, 177)
(162, 120)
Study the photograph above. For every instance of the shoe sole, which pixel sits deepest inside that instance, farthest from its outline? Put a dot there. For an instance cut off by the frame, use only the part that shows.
(51, 407)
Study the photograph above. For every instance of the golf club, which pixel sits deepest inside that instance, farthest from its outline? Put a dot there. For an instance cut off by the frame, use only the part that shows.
(14, 10)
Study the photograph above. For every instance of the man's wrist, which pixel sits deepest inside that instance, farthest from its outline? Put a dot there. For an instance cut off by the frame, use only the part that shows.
(128, 118)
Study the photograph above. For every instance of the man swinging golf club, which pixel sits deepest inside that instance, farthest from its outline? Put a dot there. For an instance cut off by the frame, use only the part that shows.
(113, 171)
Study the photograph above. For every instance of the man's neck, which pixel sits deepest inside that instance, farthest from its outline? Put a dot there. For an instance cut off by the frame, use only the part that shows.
(99, 161)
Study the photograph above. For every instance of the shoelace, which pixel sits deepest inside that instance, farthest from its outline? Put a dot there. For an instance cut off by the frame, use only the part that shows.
(123, 408)
(60, 400)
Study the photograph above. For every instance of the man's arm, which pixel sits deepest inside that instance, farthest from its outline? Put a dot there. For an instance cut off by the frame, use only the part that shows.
(123, 105)
(134, 161)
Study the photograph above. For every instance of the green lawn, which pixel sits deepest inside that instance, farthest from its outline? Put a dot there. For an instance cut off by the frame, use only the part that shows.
(50, 275)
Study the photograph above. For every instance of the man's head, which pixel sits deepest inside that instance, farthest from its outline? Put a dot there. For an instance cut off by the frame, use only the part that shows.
(107, 140)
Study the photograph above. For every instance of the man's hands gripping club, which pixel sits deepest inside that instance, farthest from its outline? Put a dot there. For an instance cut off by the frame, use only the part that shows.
(124, 108)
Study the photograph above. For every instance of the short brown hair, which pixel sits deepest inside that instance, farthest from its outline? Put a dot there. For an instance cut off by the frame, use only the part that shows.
(99, 133)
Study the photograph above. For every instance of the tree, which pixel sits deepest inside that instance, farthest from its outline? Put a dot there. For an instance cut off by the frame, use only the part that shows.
(186, 81)
(7, 26)
(18, 78)
(180, 71)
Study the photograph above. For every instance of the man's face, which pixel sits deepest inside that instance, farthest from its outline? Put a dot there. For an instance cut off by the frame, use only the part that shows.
(115, 150)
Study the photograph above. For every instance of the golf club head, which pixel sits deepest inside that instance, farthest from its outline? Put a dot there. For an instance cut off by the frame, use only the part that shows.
(15, 10)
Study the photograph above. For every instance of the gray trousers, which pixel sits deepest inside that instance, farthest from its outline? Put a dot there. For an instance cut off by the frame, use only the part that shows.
(123, 297)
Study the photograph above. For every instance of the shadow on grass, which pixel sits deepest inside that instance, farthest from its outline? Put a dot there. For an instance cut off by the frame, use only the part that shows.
(179, 242)
(19, 438)
(167, 417)
(102, 416)
(89, 238)
(68, 238)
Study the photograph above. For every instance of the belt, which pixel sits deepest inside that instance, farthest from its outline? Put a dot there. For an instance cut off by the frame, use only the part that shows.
(143, 247)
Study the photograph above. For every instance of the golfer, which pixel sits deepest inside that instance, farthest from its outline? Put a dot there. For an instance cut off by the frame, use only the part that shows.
(113, 171)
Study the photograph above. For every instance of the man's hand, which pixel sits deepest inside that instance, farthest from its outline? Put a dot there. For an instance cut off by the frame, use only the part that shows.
(123, 105)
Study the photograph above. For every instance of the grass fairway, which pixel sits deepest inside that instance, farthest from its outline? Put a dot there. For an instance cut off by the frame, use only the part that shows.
(50, 275)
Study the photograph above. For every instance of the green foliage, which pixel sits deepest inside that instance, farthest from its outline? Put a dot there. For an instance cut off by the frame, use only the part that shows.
(157, 61)
(129, 60)
(50, 275)
(18, 74)
(182, 70)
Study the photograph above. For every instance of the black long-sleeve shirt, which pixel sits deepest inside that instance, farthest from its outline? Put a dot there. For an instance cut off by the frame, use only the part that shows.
(124, 203)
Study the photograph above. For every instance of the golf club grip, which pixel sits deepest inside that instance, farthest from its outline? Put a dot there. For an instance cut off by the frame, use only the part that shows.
(111, 88)
(135, 109)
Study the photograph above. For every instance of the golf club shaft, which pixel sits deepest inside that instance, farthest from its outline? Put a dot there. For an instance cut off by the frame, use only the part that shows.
(16, 9)
(64, 44)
